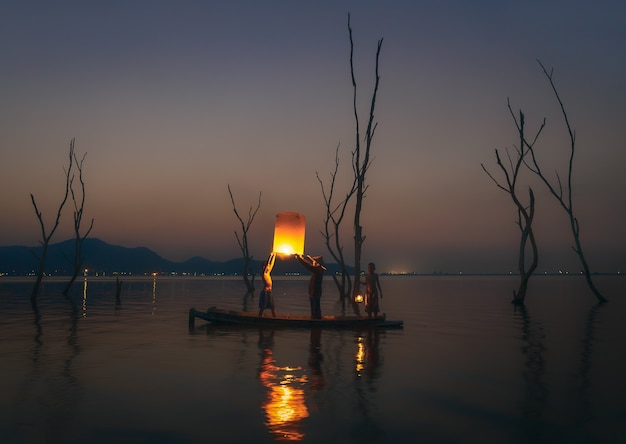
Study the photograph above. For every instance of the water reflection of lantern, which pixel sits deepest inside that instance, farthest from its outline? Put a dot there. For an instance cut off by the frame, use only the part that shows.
(285, 407)
(289, 233)
(360, 356)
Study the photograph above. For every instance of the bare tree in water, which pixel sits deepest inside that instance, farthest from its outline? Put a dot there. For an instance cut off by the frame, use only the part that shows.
(555, 186)
(79, 208)
(46, 236)
(525, 213)
(361, 160)
(335, 213)
(248, 276)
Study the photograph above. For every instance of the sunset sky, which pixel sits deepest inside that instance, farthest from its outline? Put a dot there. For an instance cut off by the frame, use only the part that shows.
(174, 101)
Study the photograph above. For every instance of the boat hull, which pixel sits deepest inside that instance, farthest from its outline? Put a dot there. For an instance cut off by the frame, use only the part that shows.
(228, 317)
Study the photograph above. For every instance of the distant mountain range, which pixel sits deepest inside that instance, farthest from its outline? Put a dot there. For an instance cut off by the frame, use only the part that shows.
(106, 259)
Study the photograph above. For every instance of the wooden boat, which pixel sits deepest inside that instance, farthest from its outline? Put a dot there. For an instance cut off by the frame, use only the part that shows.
(228, 317)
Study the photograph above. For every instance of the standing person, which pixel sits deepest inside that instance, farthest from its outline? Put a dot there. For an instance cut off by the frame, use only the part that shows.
(266, 300)
(372, 290)
(316, 266)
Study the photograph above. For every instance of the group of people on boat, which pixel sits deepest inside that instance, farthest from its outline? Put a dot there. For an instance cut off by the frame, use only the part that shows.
(315, 264)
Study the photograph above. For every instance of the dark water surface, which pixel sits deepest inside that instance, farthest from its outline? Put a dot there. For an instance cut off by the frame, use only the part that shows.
(467, 367)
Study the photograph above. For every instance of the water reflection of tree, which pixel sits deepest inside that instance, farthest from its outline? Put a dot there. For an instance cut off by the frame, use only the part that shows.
(536, 394)
(118, 293)
(50, 389)
(154, 293)
(584, 381)
(37, 321)
(248, 295)
(535, 391)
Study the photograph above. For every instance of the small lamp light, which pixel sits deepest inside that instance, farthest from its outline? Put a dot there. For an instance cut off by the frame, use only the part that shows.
(358, 298)
(289, 233)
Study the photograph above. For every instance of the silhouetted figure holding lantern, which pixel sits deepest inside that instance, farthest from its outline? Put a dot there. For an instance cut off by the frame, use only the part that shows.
(266, 300)
(316, 266)
(372, 290)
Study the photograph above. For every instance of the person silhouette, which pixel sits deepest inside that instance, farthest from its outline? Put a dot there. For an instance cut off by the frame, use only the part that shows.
(372, 290)
(266, 300)
(316, 266)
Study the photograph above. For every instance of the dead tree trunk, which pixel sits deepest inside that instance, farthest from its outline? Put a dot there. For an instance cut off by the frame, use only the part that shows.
(45, 235)
(77, 262)
(361, 161)
(525, 214)
(335, 214)
(565, 199)
(525, 219)
(248, 276)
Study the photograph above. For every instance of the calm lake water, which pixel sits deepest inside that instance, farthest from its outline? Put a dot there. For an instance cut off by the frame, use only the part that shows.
(467, 367)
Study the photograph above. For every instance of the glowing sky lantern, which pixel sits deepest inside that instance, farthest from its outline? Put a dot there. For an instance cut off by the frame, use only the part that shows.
(289, 233)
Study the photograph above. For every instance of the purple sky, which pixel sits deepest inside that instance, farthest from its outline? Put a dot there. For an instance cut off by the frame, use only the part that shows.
(173, 101)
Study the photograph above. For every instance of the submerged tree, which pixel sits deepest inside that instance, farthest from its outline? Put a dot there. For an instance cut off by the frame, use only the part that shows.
(248, 276)
(46, 236)
(361, 160)
(335, 213)
(564, 197)
(79, 208)
(525, 213)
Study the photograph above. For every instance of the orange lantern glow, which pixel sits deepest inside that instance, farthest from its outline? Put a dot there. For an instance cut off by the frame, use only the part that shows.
(289, 233)
(358, 298)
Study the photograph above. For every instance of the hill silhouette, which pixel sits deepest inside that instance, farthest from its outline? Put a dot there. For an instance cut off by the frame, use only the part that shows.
(107, 259)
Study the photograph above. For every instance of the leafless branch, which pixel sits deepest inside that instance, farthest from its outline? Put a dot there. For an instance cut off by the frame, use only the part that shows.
(565, 199)
(79, 208)
(361, 160)
(525, 213)
(47, 236)
(243, 240)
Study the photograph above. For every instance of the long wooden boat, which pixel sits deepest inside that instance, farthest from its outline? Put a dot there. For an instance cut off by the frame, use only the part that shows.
(220, 316)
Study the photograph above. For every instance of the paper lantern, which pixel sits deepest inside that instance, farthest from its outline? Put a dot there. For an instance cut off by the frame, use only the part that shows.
(289, 233)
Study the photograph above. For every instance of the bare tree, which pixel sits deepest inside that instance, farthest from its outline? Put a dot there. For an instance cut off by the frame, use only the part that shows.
(243, 241)
(79, 207)
(45, 235)
(361, 160)
(525, 213)
(564, 197)
(335, 213)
